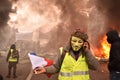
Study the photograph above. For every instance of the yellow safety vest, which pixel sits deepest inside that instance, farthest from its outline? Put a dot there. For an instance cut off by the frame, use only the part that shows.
(74, 70)
(12, 59)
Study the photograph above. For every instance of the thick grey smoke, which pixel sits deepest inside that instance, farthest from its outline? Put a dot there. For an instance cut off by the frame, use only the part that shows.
(96, 17)
(111, 9)
(5, 8)
(56, 19)
(82, 14)
(72, 17)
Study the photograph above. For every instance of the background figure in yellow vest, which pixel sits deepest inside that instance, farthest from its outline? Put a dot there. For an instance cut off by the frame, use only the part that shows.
(12, 58)
(73, 60)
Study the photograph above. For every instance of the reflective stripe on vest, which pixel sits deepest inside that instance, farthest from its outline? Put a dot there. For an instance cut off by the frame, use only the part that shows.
(61, 48)
(72, 69)
(12, 59)
(74, 73)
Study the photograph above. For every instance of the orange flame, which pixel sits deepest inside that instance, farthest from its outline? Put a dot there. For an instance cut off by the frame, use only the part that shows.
(103, 51)
(105, 47)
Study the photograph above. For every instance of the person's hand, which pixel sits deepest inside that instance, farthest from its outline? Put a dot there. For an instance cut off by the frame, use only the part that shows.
(86, 46)
(39, 70)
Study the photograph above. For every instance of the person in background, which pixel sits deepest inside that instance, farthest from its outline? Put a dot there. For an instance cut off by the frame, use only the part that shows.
(76, 62)
(114, 57)
(13, 59)
(1, 77)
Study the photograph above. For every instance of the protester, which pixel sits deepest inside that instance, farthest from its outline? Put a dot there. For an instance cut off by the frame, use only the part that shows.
(73, 60)
(114, 58)
(1, 77)
(12, 58)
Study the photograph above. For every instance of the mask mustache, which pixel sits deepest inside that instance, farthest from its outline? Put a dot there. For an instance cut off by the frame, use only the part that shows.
(76, 46)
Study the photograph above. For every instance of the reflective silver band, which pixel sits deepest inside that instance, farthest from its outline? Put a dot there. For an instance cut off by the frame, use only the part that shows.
(74, 73)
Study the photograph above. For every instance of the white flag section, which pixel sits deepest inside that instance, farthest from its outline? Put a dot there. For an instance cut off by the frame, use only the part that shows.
(37, 61)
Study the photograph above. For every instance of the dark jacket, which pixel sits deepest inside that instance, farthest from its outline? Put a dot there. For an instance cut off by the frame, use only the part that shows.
(114, 58)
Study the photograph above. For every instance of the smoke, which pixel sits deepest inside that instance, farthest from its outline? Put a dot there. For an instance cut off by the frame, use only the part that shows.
(73, 13)
(5, 8)
(95, 17)
(55, 20)
(34, 14)
(110, 8)
(83, 14)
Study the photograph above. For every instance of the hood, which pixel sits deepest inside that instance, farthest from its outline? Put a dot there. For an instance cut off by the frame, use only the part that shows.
(112, 36)
(67, 47)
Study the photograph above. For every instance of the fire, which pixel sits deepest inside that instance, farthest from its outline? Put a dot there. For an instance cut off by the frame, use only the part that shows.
(105, 47)
(103, 51)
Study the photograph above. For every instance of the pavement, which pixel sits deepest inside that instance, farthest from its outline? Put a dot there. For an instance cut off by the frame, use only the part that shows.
(24, 70)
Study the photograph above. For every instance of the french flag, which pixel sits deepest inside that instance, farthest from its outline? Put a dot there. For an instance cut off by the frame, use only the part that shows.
(38, 61)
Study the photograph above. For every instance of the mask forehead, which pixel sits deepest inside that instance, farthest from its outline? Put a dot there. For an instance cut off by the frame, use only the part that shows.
(76, 38)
